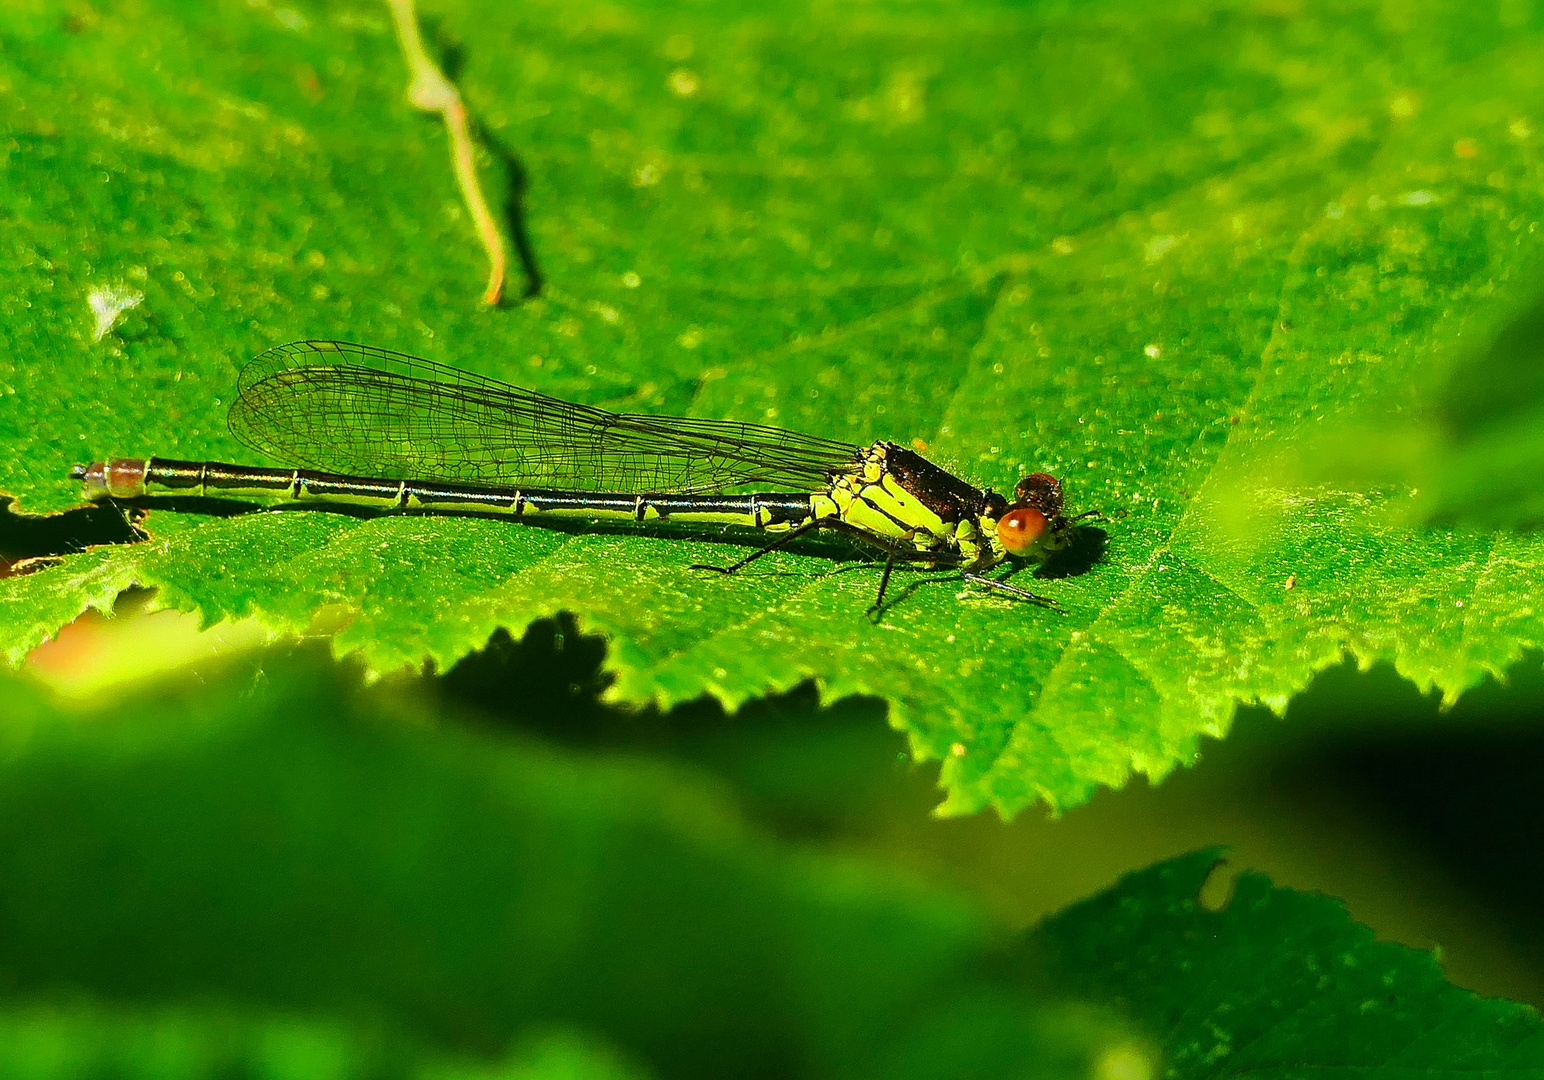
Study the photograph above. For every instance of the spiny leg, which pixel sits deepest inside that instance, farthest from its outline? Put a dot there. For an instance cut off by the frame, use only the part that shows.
(810, 526)
(1012, 590)
(781, 541)
(893, 552)
(884, 583)
(937, 560)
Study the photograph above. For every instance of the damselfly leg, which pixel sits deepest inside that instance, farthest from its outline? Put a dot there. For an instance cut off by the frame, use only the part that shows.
(894, 553)
(1011, 590)
(782, 541)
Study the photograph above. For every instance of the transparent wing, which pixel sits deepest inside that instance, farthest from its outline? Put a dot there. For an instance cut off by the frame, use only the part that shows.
(338, 407)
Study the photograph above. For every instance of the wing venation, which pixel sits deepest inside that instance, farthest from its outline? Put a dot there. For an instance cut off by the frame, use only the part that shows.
(340, 407)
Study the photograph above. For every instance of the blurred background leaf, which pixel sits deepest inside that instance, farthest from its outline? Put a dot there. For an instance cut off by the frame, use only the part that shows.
(280, 871)
(1239, 979)
(279, 840)
(65, 1042)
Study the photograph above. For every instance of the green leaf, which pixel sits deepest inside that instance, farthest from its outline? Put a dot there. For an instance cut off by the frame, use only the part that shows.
(54, 1042)
(1145, 247)
(1272, 982)
(304, 852)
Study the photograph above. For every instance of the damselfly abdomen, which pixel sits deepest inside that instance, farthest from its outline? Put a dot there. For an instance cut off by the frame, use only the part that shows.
(368, 427)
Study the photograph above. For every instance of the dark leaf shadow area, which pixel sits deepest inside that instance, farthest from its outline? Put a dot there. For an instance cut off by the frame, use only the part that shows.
(1459, 789)
(1368, 790)
(29, 542)
(802, 767)
(1085, 549)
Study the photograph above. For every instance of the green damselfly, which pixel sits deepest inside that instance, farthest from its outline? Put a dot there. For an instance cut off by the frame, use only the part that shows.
(368, 427)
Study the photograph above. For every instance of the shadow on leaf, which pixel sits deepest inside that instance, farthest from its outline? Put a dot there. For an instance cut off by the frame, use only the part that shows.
(797, 764)
(30, 542)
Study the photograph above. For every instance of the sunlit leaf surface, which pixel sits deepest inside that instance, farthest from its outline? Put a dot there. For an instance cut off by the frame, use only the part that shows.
(1147, 247)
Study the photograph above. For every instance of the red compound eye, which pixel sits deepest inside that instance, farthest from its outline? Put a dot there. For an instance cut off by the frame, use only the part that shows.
(1020, 530)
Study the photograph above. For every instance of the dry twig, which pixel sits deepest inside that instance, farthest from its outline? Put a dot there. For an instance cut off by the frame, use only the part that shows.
(431, 91)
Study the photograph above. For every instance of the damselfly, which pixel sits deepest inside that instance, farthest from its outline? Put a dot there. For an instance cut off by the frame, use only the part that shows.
(368, 427)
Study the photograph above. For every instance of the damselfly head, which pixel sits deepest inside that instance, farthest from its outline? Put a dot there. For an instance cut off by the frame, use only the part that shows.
(1033, 525)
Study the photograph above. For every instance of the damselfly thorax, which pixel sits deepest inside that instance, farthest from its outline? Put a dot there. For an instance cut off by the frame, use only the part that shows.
(368, 427)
